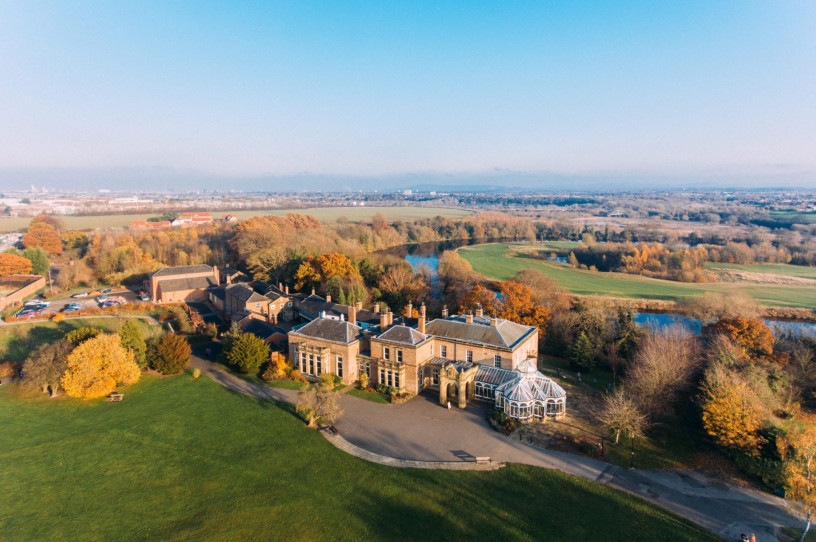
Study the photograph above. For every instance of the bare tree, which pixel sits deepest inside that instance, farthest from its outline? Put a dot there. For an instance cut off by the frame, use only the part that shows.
(662, 368)
(318, 401)
(620, 414)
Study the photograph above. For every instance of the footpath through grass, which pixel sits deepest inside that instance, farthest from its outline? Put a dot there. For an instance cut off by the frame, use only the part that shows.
(501, 261)
(183, 459)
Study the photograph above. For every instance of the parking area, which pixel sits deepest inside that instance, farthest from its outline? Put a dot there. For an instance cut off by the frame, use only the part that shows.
(78, 302)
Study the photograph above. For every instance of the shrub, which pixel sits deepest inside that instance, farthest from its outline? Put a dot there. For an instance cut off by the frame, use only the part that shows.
(364, 381)
(8, 369)
(58, 317)
(297, 376)
(196, 373)
(330, 380)
(381, 388)
(171, 354)
(133, 340)
(211, 330)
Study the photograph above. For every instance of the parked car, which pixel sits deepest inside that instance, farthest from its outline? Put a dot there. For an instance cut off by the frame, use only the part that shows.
(109, 304)
(36, 303)
(81, 294)
(106, 291)
(66, 308)
(102, 299)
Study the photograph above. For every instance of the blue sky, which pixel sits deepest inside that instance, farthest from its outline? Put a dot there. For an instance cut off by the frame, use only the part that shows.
(378, 89)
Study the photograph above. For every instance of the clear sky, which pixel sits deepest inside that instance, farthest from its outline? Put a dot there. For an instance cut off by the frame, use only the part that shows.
(248, 89)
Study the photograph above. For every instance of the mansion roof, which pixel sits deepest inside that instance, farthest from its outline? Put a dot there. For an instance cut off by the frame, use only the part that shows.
(329, 329)
(505, 334)
(312, 306)
(404, 335)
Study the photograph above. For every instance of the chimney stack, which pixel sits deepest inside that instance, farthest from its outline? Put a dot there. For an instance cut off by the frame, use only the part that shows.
(280, 286)
(216, 276)
(444, 311)
(313, 290)
(376, 308)
(358, 305)
(410, 310)
(328, 298)
(421, 323)
(352, 312)
(390, 318)
(494, 321)
(479, 311)
(469, 318)
(383, 321)
(229, 279)
(286, 290)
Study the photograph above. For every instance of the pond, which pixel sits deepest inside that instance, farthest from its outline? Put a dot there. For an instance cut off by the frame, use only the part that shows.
(778, 327)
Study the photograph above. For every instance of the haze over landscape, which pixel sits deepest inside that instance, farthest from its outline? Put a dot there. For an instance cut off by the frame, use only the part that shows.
(353, 95)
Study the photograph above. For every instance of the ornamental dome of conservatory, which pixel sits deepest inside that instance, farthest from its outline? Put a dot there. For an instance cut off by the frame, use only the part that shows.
(530, 394)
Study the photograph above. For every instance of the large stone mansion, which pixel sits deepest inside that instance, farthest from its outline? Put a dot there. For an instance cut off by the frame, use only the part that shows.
(462, 357)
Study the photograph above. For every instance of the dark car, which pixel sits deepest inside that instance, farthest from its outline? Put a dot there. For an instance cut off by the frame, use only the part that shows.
(106, 291)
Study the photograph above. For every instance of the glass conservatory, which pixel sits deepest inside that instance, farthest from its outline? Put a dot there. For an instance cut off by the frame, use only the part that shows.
(529, 394)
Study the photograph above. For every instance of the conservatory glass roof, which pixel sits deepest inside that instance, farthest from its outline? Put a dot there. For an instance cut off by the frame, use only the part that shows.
(530, 385)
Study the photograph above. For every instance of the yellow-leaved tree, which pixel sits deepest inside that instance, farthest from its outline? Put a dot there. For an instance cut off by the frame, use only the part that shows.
(799, 452)
(730, 413)
(97, 366)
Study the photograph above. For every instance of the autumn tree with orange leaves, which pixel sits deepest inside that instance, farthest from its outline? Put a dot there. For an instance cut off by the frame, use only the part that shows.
(97, 366)
(752, 335)
(798, 448)
(12, 264)
(730, 415)
(314, 271)
(43, 236)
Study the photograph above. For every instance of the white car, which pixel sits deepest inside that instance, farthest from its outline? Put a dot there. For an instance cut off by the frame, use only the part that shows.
(102, 299)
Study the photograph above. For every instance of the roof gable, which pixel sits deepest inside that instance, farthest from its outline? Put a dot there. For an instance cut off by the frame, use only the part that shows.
(330, 329)
(403, 334)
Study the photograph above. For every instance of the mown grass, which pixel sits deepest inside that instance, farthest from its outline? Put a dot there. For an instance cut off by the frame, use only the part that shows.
(373, 396)
(324, 214)
(17, 341)
(502, 261)
(183, 459)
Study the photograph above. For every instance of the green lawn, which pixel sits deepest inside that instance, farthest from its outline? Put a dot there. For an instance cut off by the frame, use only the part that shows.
(19, 340)
(502, 261)
(325, 214)
(373, 396)
(183, 459)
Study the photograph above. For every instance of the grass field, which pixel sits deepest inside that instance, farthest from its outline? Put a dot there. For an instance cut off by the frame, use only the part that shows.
(183, 459)
(19, 340)
(325, 214)
(772, 268)
(502, 261)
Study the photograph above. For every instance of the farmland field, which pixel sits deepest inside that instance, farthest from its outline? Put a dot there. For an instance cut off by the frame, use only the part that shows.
(324, 214)
(184, 459)
(502, 261)
(773, 268)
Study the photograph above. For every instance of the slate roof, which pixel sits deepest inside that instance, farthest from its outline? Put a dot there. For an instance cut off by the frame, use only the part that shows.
(404, 335)
(329, 329)
(262, 329)
(505, 334)
(244, 293)
(192, 283)
(311, 307)
(219, 292)
(181, 270)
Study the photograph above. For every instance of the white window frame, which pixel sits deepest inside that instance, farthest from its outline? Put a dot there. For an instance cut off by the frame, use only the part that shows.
(443, 350)
(497, 360)
(386, 353)
(469, 356)
(339, 362)
(399, 355)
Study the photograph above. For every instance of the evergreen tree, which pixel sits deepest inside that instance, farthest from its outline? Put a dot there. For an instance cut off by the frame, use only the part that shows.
(248, 352)
(38, 259)
(583, 354)
(171, 354)
(133, 340)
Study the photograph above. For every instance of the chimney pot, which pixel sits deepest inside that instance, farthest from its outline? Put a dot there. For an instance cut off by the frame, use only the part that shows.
(422, 310)
(410, 309)
(352, 312)
(444, 311)
(328, 298)
(421, 324)
(479, 311)
(376, 308)
(286, 290)
(313, 292)
(469, 318)
(383, 321)
(358, 305)
(494, 321)
(390, 318)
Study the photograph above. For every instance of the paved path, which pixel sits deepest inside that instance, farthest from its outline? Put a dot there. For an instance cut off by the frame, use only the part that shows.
(422, 430)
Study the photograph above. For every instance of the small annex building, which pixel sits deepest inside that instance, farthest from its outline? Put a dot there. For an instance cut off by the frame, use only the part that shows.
(183, 283)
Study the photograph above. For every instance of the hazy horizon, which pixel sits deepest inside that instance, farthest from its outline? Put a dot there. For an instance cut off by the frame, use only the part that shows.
(362, 96)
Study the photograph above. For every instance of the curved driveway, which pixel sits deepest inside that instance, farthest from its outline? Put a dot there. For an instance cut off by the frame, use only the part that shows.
(420, 429)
